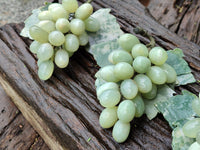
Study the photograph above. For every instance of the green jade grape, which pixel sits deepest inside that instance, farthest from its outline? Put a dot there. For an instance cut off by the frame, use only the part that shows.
(120, 56)
(110, 98)
(127, 41)
(45, 52)
(143, 82)
(123, 71)
(44, 15)
(108, 117)
(139, 106)
(128, 89)
(77, 26)
(194, 146)
(121, 131)
(56, 38)
(158, 56)
(107, 73)
(83, 39)
(34, 46)
(61, 58)
(38, 34)
(198, 137)
(62, 25)
(170, 73)
(139, 50)
(196, 106)
(70, 5)
(92, 24)
(126, 111)
(59, 12)
(47, 25)
(157, 75)
(45, 70)
(141, 64)
(191, 128)
(84, 11)
(54, 5)
(106, 86)
(71, 42)
(151, 94)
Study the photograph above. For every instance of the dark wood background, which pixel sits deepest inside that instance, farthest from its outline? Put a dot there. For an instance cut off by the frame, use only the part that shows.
(181, 17)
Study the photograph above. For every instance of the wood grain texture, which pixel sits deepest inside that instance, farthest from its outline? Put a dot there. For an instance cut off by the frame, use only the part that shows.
(15, 131)
(180, 16)
(67, 102)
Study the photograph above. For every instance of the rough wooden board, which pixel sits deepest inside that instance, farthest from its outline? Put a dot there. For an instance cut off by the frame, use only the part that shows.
(15, 131)
(68, 102)
(180, 16)
(144, 121)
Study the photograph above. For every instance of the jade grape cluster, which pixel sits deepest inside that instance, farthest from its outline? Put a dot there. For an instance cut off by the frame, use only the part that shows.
(59, 33)
(134, 75)
(191, 128)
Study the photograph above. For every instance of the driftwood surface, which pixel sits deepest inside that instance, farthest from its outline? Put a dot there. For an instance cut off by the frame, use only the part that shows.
(67, 102)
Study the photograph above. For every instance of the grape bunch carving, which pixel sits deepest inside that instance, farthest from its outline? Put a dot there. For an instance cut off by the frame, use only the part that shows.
(135, 73)
(59, 33)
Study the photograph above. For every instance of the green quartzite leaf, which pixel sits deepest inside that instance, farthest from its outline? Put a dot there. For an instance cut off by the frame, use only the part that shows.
(32, 20)
(175, 59)
(164, 92)
(180, 142)
(105, 40)
(101, 51)
(177, 110)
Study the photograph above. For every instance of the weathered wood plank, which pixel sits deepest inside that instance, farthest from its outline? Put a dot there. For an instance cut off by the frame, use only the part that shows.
(180, 16)
(14, 127)
(67, 102)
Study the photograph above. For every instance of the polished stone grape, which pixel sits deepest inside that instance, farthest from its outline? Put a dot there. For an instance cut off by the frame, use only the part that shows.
(158, 56)
(157, 75)
(191, 128)
(127, 41)
(106, 86)
(123, 70)
(120, 56)
(126, 111)
(110, 98)
(141, 64)
(143, 82)
(139, 50)
(121, 131)
(108, 117)
(129, 88)
(139, 106)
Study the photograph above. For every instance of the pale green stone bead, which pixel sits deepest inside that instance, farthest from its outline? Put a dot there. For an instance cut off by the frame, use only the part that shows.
(143, 82)
(107, 86)
(108, 117)
(126, 111)
(194, 146)
(157, 75)
(110, 98)
(129, 88)
(170, 73)
(139, 105)
(141, 64)
(45, 70)
(120, 131)
(191, 128)
(120, 56)
(127, 41)
(139, 50)
(152, 94)
(196, 106)
(107, 73)
(123, 71)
